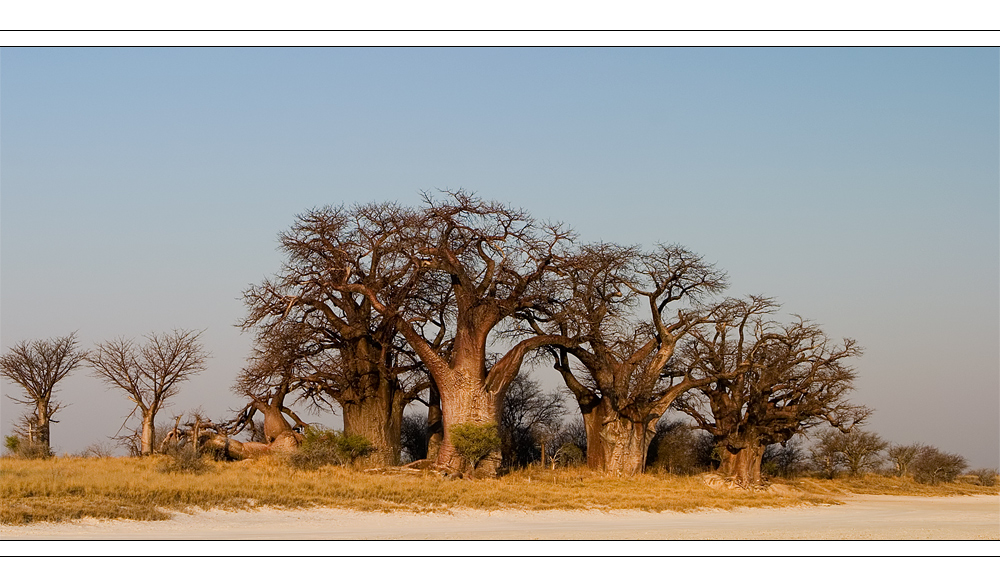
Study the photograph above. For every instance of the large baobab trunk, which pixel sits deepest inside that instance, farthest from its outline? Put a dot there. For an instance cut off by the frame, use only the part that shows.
(466, 401)
(741, 462)
(625, 446)
(615, 444)
(378, 416)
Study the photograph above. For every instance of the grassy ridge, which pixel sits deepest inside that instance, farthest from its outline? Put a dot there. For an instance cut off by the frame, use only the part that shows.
(61, 489)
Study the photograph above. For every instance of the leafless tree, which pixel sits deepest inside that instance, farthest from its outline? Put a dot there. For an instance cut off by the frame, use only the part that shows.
(902, 456)
(621, 319)
(797, 378)
(933, 466)
(529, 420)
(320, 338)
(149, 373)
(38, 366)
(495, 261)
(861, 450)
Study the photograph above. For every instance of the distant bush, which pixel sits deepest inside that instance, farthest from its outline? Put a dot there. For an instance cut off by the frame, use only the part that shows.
(679, 449)
(568, 455)
(985, 477)
(184, 459)
(22, 448)
(474, 442)
(932, 466)
(329, 447)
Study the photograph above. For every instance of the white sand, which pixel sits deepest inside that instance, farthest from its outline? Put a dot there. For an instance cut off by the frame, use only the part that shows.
(861, 517)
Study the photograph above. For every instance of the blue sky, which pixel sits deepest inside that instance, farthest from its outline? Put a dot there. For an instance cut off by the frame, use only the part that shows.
(143, 189)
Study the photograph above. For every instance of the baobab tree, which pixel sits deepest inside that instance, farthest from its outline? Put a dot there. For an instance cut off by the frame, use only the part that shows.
(37, 367)
(342, 348)
(150, 373)
(797, 378)
(496, 261)
(616, 361)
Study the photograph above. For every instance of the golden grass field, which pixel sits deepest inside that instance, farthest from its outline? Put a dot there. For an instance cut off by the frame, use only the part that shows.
(67, 488)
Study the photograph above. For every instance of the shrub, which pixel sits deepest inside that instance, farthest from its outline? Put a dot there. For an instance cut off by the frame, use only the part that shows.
(329, 447)
(902, 456)
(985, 477)
(932, 466)
(475, 441)
(22, 448)
(568, 455)
(184, 459)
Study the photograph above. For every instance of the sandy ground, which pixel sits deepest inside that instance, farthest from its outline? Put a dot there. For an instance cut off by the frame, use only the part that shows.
(860, 517)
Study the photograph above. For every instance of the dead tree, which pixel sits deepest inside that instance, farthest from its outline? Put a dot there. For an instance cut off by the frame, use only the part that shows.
(620, 312)
(150, 373)
(38, 366)
(797, 378)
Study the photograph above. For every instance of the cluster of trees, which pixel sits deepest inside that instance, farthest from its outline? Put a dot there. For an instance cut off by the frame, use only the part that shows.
(380, 305)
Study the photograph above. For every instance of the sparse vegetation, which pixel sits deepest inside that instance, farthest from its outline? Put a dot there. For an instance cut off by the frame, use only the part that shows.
(985, 477)
(329, 447)
(61, 489)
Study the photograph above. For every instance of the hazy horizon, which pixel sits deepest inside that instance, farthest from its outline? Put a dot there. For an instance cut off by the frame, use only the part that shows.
(143, 190)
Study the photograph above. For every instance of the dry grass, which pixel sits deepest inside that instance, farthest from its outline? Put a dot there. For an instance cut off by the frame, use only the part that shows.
(62, 489)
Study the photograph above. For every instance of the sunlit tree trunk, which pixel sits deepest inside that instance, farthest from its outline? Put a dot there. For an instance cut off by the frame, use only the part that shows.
(741, 462)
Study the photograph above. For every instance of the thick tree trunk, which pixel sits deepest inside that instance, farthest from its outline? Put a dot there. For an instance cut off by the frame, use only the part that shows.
(741, 462)
(378, 416)
(593, 421)
(625, 446)
(466, 401)
(275, 423)
(615, 444)
(147, 439)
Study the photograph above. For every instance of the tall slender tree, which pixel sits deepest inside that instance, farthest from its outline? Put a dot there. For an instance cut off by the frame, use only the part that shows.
(149, 373)
(37, 367)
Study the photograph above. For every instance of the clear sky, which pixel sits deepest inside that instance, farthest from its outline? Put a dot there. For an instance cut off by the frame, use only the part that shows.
(143, 190)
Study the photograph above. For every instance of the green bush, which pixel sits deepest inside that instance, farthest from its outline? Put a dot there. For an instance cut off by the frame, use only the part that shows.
(475, 441)
(329, 447)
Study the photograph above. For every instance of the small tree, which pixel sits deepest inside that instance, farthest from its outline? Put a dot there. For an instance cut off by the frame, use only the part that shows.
(474, 442)
(149, 374)
(861, 451)
(413, 438)
(902, 456)
(528, 416)
(933, 466)
(783, 460)
(38, 366)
